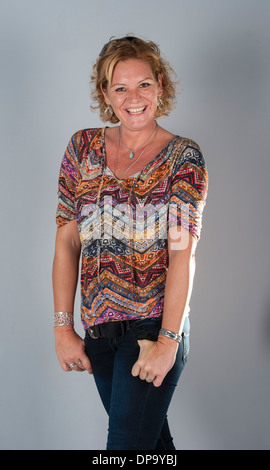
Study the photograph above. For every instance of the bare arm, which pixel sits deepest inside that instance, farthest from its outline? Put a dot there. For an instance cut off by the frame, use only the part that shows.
(178, 287)
(157, 358)
(69, 346)
(65, 266)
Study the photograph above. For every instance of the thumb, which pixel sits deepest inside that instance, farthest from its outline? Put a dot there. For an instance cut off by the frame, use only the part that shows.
(135, 369)
(86, 363)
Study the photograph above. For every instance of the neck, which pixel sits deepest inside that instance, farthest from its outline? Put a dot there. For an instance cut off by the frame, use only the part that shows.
(134, 138)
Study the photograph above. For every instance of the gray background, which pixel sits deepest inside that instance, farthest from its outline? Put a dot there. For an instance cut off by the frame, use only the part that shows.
(220, 51)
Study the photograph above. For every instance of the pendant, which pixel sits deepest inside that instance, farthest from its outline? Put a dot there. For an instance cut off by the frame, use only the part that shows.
(131, 155)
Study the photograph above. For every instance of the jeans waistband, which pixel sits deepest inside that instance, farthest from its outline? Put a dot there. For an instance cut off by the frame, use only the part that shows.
(111, 329)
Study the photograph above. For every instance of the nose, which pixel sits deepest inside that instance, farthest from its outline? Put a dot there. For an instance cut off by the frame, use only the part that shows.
(134, 96)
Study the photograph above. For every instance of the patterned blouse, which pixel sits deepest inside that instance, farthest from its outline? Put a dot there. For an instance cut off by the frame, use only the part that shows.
(123, 224)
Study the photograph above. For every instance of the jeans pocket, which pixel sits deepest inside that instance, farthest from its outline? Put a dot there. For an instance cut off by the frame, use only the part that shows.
(186, 347)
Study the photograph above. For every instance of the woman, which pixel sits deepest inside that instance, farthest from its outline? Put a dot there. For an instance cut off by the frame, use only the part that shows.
(137, 271)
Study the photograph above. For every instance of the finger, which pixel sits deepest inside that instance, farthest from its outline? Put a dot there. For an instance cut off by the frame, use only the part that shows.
(71, 365)
(85, 361)
(147, 375)
(158, 380)
(135, 369)
(149, 379)
(143, 374)
(77, 366)
(86, 365)
(80, 366)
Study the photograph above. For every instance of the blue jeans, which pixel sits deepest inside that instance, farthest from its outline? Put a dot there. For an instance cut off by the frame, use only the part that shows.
(137, 409)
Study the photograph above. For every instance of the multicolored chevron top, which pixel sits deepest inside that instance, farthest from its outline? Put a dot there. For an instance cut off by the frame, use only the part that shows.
(125, 254)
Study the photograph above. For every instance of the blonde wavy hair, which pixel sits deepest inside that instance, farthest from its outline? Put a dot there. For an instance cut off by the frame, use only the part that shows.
(131, 47)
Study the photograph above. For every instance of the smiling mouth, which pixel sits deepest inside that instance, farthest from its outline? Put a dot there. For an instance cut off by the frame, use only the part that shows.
(136, 110)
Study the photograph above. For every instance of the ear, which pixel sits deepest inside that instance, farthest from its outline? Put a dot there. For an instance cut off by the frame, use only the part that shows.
(104, 92)
(160, 87)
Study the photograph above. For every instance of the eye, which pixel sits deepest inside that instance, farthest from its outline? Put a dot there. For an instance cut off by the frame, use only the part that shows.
(144, 85)
(120, 89)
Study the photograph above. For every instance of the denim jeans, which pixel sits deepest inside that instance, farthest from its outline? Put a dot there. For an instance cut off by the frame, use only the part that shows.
(137, 409)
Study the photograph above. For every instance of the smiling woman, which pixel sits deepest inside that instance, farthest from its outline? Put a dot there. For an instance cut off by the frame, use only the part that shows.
(133, 94)
(135, 284)
(129, 48)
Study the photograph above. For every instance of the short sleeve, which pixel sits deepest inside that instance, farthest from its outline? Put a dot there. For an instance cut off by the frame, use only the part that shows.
(68, 177)
(189, 189)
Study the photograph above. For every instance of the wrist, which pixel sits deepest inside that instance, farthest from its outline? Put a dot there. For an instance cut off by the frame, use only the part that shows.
(167, 343)
(63, 319)
(63, 331)
(170, 335)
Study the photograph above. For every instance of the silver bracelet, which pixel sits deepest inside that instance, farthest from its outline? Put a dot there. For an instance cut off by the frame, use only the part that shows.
(63, 319)
(170, 334)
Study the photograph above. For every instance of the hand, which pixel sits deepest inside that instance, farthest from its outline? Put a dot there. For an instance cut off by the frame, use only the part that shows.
(155, 360)
(70, 349)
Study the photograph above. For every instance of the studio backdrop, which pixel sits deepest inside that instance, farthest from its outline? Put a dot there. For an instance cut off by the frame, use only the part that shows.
(220, 52)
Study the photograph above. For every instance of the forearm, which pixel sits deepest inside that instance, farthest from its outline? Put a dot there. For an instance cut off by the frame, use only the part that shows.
(178, 288)
(65, 276)
(70, 347)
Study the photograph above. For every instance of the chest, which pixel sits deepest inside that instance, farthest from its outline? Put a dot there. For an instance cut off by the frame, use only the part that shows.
(123, 166)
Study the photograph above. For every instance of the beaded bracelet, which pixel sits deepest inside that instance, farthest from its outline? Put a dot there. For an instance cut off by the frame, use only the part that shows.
(63, 319)
(170, 334)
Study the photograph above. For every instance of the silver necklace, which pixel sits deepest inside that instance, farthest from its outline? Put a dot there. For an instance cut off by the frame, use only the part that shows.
(119, 140)
(132, 151)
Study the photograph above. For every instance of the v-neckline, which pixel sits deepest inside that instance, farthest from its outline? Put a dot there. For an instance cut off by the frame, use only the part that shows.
(145, 169)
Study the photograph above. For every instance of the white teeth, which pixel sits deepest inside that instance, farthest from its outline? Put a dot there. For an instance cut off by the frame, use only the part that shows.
(136, 110)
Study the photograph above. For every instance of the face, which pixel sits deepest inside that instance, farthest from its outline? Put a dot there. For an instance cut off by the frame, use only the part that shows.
(133, 94)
